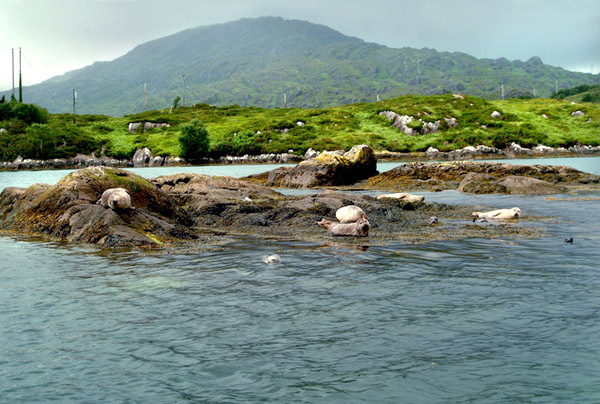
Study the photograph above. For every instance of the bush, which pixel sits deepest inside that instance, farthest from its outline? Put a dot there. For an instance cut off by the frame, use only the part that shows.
(29, 113)
(194, 141)
(246, 142)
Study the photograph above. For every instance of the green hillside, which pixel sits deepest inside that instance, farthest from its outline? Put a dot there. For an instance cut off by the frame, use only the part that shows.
(236, 130)
(254, 62)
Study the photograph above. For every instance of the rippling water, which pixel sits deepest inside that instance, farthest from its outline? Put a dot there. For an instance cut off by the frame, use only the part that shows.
(471, 321)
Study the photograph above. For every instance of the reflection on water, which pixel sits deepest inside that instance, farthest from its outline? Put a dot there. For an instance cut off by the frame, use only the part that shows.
(494, 321)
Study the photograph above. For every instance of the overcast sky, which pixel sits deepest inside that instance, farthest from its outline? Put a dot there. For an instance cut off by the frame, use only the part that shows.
(57, 36)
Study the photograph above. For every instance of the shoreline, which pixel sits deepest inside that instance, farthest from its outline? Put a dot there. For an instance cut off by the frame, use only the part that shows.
(143, 158)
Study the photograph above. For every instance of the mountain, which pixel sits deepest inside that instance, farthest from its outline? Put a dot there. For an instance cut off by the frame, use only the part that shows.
(257, 61)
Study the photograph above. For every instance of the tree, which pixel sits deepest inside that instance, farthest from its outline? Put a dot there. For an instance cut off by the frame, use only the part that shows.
(194, 140)
(176, 102)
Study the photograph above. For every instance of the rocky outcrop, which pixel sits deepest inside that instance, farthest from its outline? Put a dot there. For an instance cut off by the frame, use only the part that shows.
(449, 175)
(402, 122)
(136, 126)
(188, 212)
(327, 169)
(68, 211)
(479, 183)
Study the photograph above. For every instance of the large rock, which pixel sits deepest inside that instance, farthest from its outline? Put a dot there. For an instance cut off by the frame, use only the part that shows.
(327, 169)
(517, 184)
(142, 157)
(450, 175)
(68, 210)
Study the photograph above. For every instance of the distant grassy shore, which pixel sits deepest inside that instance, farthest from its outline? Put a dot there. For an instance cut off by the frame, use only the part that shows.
(236, 130)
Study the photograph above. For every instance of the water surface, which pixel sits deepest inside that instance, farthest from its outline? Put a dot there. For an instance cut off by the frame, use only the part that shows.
(470, 321)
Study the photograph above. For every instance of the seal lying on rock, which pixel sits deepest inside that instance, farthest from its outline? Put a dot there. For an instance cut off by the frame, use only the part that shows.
(403, 196)
(513, 213)
(116, 198)
(359, 228)
(350, 214)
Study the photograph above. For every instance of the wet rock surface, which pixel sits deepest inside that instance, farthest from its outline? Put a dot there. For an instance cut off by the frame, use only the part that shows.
(481, 177)
(69, 211)
(189, 212)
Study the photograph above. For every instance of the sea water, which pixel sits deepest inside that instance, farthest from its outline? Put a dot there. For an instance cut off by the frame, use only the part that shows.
(470, 321)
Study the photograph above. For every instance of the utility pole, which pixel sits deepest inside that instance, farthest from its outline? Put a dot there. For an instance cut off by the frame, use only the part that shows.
(183, 98)
(74, 96)
(418, 70)
(556, 91)
(378, 99)
(534, 96)
(502, 87)
(284, 100)
(13, 72)
(145, 98)
(20, 81)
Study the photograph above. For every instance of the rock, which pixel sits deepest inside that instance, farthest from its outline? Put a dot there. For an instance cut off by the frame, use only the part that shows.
(480, 183)
(401, 122)
(310, 154)
(515, 148)
(541, 149)
(449, 175)
(496, 114)
(451, 122)
(327, 169)
(516, 184)
(142, 157)
(68, 211)
(431, 151)
(577, 113)
(544, 116)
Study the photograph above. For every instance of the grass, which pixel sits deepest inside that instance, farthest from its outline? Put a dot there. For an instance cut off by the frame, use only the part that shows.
(279, 130)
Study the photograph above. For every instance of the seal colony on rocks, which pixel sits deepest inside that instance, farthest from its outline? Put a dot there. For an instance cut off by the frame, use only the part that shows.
(190, 212)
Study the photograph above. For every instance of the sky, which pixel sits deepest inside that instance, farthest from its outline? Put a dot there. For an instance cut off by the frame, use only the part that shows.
(57, 36)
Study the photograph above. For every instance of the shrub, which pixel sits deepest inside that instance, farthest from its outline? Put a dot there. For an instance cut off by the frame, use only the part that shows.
(194, 140)
(246, 142)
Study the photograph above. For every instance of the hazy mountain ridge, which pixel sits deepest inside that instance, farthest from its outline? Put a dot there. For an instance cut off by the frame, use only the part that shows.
(256, 61)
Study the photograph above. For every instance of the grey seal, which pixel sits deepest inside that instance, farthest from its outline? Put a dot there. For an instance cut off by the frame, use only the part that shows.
(360, 228)
(116, 198)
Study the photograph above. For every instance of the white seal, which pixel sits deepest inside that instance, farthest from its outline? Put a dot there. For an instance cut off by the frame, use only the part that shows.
(272, 259)
(403, 196)
(350, 214)
(513, 213)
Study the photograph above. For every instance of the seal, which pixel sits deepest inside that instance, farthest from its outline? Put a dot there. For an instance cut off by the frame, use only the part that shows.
(513, 213)
(350, 214)
(403, 196)
(272, 259)
(360, 228)
(116, 198)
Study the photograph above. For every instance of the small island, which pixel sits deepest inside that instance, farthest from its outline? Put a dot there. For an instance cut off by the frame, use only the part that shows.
(190, 212)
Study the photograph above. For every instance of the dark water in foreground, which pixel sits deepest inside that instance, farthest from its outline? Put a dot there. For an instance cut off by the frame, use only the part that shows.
(471, 321)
